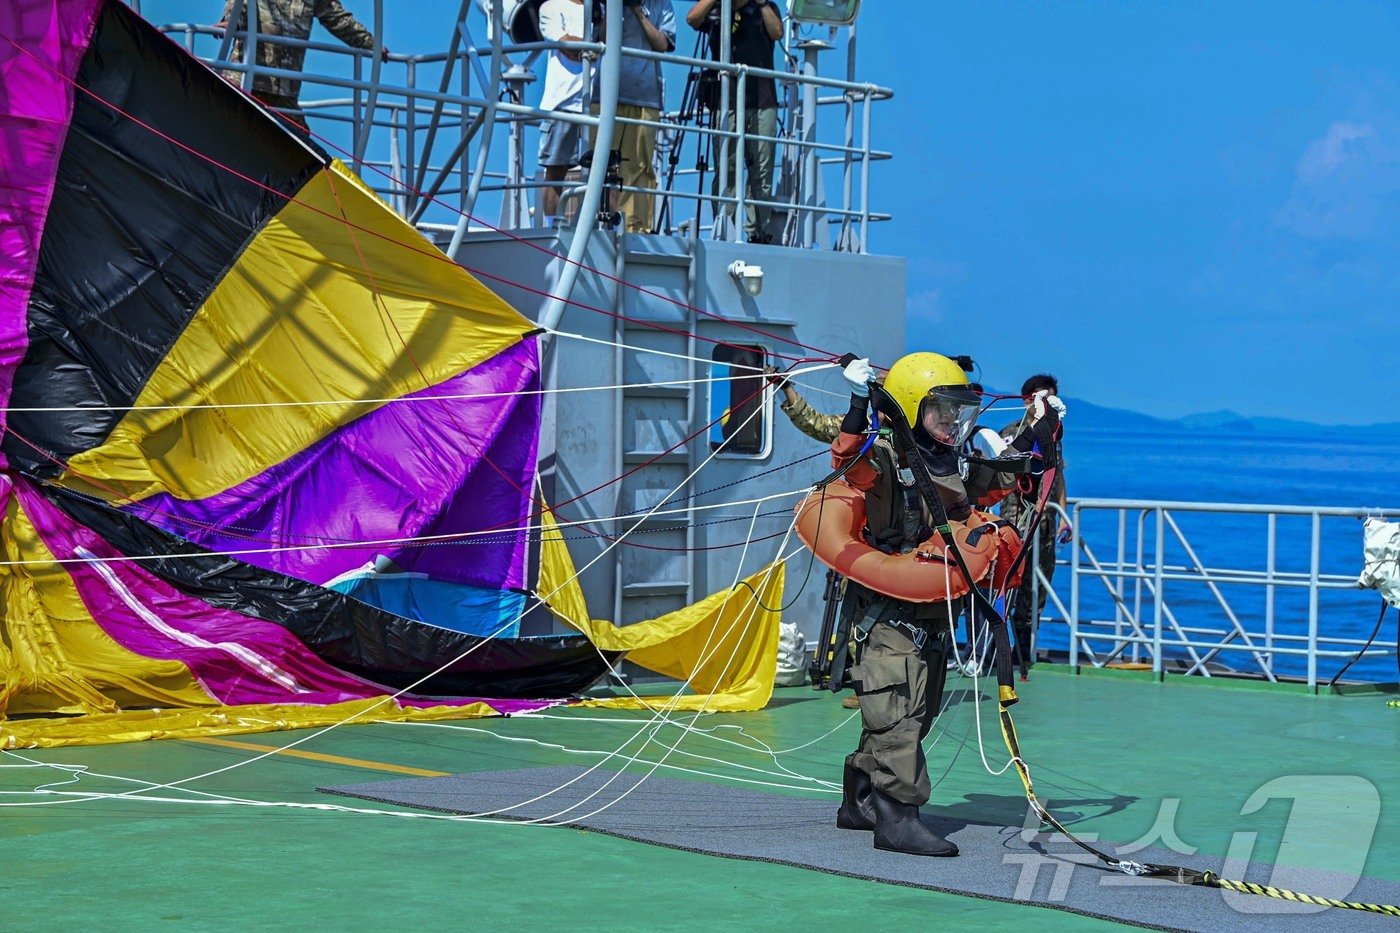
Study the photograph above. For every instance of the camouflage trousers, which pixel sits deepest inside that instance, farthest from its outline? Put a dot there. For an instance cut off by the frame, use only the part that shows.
(900, 686)
(1028, 601)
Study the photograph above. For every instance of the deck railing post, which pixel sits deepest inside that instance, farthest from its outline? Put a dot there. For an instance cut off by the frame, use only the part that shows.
(1314, 567)
(1074, 566)
(1160, 596)
(1120, 582)
(1271, 563)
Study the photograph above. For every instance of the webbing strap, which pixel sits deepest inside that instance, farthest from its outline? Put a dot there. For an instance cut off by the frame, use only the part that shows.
(928, 490)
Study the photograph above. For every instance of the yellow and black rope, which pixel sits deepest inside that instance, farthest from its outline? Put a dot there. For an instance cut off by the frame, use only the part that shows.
(1174, 873)
(1006, 698)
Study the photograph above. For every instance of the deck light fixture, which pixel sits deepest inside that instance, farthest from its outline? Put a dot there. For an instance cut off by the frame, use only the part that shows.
(825, 12)
(749, 278)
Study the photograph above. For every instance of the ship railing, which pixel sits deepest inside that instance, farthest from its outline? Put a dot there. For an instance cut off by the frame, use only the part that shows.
(429, 148)
(1144, 591)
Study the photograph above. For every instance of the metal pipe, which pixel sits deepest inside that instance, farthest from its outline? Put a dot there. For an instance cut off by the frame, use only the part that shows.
(376, 60)
(726, 105)
(410, 134)
(1122, 556)
(449, 63)
(865, 176)
(843, 242)
(396, 166)
(1074, 598)
(250, 46)
(1270, 563)
(1314, 565)
(741, 180)
(811, 50)
(235, 14)
(609, 80)
(491, 93)
(1159, 596)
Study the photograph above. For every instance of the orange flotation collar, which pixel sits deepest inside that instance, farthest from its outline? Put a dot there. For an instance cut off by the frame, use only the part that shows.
(831, 522)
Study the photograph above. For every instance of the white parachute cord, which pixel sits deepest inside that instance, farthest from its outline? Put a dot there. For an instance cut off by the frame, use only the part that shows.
(651, 728)
(755, 604)
(447, 538)
(751, 370)
(689, 727)
(412, 399)
(573, 750)
(485, 640)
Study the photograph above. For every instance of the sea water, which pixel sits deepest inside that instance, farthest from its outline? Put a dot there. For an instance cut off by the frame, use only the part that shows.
(1332, 470)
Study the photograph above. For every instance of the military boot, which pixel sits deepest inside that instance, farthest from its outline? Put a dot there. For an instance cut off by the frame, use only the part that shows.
(857, 811)
(898, 829)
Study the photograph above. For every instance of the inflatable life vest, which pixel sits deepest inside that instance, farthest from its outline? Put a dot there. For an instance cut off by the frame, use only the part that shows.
(831, 522)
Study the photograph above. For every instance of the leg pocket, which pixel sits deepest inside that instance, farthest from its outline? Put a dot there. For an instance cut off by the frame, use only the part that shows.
(884, 689)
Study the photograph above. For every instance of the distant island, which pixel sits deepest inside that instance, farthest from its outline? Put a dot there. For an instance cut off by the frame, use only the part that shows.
(1088, 416)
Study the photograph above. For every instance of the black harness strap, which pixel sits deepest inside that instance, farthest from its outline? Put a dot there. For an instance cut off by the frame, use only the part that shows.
(903, 437)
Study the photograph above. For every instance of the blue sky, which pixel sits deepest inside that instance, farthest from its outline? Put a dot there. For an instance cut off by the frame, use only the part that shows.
(1174, 206)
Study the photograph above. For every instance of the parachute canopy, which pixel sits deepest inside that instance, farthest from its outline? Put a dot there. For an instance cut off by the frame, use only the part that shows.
(263, 444)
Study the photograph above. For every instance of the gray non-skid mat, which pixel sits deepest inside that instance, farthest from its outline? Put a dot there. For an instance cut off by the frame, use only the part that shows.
(997, 862)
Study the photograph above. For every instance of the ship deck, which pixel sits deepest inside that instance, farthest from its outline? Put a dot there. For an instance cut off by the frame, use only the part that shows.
(1107, 750)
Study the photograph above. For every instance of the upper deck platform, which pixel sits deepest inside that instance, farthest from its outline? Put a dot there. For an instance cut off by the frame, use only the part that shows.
(449, 137)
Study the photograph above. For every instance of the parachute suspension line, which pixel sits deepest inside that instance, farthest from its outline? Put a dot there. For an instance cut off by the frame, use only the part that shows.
(662, 714)
(1007, 696)
(218, 799)
(819, 364)
(807, 782)
(454, 539)
(430, 253)
(401, 399)
(118, 498)
(600, 273)
(360, 714)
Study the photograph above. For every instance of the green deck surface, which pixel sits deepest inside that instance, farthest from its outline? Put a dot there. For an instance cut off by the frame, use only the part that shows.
(1105, 752)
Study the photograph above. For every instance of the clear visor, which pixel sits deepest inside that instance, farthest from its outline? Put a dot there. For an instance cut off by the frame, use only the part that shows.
(949, 415)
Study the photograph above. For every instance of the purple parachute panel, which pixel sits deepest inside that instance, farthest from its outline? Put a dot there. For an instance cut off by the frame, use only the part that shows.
(456, 458)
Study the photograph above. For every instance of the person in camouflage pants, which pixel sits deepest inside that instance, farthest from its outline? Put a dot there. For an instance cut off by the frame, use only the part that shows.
(823, 428)
(291, 19)
(1028, 601)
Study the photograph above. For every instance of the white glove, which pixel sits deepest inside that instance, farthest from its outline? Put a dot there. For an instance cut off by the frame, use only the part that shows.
(1042, 399)
(859, 374)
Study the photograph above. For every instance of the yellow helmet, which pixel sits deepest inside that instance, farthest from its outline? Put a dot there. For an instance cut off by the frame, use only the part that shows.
(915, 375)
(923, 378)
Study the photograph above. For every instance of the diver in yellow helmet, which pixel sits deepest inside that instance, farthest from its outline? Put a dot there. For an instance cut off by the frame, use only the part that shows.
(933, 393)
(899, 678)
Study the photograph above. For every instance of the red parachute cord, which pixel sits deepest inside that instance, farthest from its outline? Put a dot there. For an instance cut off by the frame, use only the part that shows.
(308, 540)
(383, 310)
(119, 496)
(601, 273)
(433, 253)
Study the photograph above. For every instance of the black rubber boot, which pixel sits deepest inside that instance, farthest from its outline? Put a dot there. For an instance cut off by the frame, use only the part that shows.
(898, 829)
(857, 811)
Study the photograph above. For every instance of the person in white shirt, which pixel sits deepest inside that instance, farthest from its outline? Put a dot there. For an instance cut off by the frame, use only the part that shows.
(560, 21)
